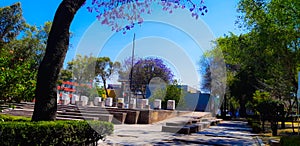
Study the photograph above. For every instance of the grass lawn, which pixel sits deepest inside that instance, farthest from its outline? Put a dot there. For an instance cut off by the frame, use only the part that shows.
(288, 131)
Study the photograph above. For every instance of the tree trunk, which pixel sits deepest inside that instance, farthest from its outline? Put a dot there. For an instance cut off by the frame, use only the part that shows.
(57, 45)
(224, 107)
(242, 103)
(104, 86)
(274, 128)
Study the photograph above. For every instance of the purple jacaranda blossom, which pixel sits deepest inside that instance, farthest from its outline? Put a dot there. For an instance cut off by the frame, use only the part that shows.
(110, 12)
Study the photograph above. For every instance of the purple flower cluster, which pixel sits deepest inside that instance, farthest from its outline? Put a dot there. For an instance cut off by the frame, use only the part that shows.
(116, 13)
(152, 67)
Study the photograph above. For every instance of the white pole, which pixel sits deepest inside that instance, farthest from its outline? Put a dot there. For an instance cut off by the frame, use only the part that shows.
(131, 71)
(298, 97)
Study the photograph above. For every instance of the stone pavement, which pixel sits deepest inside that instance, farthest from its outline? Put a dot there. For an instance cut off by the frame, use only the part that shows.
(145, 134)
(226, 133)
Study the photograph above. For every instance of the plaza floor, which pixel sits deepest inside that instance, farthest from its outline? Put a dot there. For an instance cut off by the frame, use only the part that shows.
(226, 133)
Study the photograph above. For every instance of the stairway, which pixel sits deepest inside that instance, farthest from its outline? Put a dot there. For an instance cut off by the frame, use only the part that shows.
(190, 124)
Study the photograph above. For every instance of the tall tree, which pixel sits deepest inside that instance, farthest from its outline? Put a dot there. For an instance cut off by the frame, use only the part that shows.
(105, 68)
(11, 22)
(57, 45)
(206, 74)
(146, 69)
(82, 68)
(20, 56)
(275, 34)
(65, 75)
(265, 58)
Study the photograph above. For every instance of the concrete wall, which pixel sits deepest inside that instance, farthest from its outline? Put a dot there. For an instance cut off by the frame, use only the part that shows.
(194, 102)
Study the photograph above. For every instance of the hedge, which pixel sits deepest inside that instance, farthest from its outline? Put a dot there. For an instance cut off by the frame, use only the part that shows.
(290, 140)
(54, 132)
(5, 118)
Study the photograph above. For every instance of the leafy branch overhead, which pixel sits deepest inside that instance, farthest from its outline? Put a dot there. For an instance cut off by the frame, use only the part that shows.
(122, 15)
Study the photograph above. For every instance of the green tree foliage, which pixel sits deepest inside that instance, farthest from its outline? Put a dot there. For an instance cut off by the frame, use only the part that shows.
(206, 74)
(267, 108)
(144, 70)
(168, 92)
(241, 80)
(65, 75)
(275, 28)
(174, 92)
(85, 69)
(213, 71)
(20, 57)
(265, 58)
(11, 22)
(82, 68)
(104, 68)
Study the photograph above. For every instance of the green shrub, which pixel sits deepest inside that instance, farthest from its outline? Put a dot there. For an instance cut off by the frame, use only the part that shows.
(290, 140)
(256, 127)
(249, 121)
(54, 132)
(6, 118)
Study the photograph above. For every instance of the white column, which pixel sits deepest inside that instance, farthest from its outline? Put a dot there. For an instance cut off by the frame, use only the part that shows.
(97, 101)
(108, 101)
(84, 100)
(171, 105)
(157, 104)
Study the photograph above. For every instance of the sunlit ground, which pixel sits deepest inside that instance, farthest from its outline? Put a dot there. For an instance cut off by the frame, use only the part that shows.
(287, 131)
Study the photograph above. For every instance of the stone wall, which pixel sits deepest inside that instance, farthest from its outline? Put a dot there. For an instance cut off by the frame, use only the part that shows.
(152, 116)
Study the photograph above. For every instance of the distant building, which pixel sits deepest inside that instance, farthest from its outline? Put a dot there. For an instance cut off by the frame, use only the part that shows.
(189, 89)
(114, 86)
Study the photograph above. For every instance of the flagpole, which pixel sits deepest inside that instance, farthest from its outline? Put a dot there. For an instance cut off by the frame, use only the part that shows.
(131, 70)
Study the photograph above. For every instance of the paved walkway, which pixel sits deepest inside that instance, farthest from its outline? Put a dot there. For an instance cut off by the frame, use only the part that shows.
(226, 133)
(145, 134)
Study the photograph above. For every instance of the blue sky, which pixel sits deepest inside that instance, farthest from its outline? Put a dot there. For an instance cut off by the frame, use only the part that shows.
(220, 20)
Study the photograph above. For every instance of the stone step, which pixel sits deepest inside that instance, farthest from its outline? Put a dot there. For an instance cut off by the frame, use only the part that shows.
(192, 120)
(178, 123)
(81, 114)
(193, 128)
(131, 115)
(66, 108)
(63, 118)
(205, 119)
(119, 117)
(214, 122)
(192, 124)
(176, 129)
(77, 117)
(205, 124)
(199, 126)
(101, 116)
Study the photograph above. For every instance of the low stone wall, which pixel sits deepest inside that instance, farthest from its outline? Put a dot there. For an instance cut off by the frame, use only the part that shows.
(152, 116)
(141, 116)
